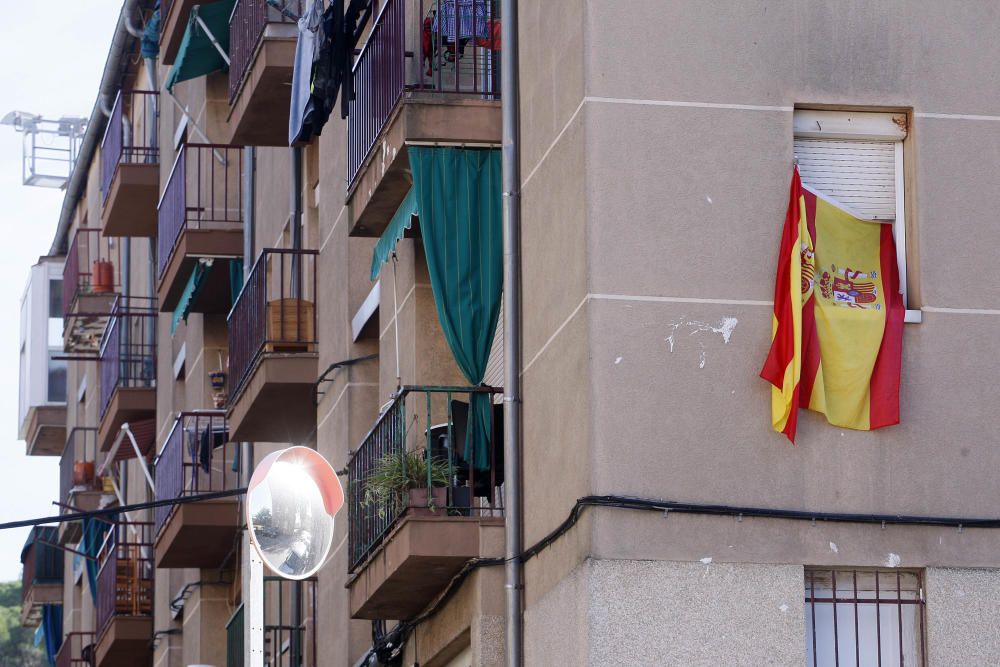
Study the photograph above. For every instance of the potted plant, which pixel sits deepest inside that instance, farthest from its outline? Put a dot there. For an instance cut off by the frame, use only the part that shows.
(399, 480)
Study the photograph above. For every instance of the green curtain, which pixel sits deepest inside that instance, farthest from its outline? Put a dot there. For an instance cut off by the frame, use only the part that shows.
(197, 55)
(94, 531)
(402, 220)
(235, 278)
(458, 192)
(199, 276)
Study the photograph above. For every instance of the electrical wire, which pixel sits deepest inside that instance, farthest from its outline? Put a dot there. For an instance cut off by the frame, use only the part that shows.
(394, 639)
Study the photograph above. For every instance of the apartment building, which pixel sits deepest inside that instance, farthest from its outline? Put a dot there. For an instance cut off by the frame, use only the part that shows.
(224, 295)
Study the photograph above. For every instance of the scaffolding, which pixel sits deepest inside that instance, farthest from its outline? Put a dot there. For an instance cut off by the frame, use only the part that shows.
(50, 148)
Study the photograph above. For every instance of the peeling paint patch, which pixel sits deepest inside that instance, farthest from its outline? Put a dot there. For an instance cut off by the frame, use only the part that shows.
(702, 359)
(708, 199)
(707, 560)
(893, 560)
(833, 548)
(783, 608)
(725, 328)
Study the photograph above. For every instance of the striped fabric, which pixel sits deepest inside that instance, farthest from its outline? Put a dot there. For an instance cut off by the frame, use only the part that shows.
(473, 19)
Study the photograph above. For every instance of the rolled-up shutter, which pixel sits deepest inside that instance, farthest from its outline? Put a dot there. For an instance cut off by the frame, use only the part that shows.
(859, 174)
(494, 367)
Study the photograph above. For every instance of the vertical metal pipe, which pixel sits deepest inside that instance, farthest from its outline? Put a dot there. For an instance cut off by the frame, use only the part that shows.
(511, 156)
(249, 183)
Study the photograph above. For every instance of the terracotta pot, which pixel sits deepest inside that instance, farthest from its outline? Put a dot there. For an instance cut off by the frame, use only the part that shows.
(83, 473)
(103, 277)
(417, 504)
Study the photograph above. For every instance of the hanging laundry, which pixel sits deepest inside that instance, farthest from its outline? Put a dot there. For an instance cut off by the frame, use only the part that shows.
(302, 107)
(461, 20)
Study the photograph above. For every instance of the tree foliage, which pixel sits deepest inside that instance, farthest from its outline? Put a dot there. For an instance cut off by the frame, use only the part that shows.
(16, 642)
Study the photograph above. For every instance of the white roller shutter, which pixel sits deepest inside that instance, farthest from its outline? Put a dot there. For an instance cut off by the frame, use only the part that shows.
(494, 367)
(861, 175)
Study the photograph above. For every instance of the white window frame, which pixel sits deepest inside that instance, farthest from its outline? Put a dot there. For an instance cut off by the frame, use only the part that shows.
(874, 126)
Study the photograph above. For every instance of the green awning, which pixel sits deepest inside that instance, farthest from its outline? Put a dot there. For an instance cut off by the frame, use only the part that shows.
(198, 54)
(194, 284)
(401, 221)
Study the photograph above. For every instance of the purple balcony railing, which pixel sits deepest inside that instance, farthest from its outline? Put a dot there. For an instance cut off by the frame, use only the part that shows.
(247, 26)
(130, 137)
(275, 311)
(197, 457)
(458, 52)
(128, 348)
(78, 463)
(91, 267)
(125, 577)
(204, 191)
(71, 652)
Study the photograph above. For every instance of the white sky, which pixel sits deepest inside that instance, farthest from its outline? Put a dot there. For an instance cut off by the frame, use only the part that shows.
(51, 59)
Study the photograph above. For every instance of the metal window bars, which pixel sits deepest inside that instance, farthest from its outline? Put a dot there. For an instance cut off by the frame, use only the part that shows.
(864, 618)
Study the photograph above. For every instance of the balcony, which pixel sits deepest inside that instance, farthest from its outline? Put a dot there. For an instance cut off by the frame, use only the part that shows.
(125, 597)
(128, 368)
(41, 405)
(173, 22)
(448, 93)
(198, 457)
(201, 230)
(80, 489)
(130, 166)
(285, 644)
(91, 282)
(42, 574)
(262, 53)
(405, 542)
(76, 650)
(272, 350)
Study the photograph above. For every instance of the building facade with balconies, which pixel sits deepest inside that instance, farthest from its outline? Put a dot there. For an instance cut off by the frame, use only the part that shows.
(225, 296)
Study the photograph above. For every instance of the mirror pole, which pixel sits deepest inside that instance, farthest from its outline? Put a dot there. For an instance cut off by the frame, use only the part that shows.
(253, 605)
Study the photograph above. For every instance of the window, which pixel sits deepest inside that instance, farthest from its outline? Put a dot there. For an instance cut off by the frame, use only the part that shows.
(56, 298)
(855, 159)
(864, 617)
(57, 378)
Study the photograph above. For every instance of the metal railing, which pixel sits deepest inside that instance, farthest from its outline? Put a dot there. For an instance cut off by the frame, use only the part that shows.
(247, 26)
(83, 272)
(204, 191)
(125, 577)
(78, 463)
(274, 312)
(128, 348)
(130, 136)
(458, 52)
(420, 437)
(43, 563)
(71, 653)
(234, 639)
(197, 457)
(287, 644)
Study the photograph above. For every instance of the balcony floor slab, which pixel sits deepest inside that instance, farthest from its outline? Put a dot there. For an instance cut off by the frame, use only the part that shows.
(278, 402)
(130, 207)
(198, 535)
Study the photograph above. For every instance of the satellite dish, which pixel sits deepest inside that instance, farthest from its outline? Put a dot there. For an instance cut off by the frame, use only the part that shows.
(292, 499)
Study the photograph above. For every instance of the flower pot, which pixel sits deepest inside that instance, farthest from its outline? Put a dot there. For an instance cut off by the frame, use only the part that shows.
(461, 501)
(417, 502)
(83, 473)
(102, 277)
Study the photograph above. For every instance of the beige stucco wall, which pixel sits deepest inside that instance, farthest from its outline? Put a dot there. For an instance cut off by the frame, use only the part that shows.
(962, 608)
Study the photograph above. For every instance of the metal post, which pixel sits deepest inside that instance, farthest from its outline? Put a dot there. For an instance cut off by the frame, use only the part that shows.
(253, 605)
(249, 183)
(511, 157)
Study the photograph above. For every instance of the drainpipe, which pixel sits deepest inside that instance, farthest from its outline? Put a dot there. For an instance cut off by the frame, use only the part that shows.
(249, 187)
(511, 157)
(296, 221)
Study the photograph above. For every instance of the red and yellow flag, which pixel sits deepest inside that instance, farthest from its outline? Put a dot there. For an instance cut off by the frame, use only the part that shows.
(837, 334)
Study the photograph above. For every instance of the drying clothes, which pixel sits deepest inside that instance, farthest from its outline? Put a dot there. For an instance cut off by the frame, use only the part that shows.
(463, 20)
(306, 54)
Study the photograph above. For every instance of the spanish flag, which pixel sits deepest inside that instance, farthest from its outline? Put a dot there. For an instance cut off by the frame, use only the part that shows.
(837, 334)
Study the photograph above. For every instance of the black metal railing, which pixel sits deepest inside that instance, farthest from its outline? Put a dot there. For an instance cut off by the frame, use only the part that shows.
(247, 27)
(288, 643)
(130, 136)
(234, 639)
(197, 457)
(43, 562)
(125, 577)
(420, 438)
(274, 312)
(91, 267)
(77, 650)
(128, 348)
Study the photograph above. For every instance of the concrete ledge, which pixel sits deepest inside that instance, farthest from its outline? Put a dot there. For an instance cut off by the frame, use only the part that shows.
(277, 401)
(198, 536)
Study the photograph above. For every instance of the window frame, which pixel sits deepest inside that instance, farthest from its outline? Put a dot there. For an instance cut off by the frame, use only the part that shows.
(867, 126)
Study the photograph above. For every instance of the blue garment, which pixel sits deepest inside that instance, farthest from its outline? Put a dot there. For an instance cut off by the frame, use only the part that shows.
(52, 622)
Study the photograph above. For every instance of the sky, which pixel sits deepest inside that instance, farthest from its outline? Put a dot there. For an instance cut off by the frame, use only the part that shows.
(51, 60)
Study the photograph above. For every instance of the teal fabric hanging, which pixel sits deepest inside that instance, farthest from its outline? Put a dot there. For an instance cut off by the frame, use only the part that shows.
(458, 192)
(199, 275)
(402, 220)
(94, 531)
(235, 278)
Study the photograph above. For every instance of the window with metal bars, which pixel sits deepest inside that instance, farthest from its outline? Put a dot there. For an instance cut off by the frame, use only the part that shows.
(864, 618)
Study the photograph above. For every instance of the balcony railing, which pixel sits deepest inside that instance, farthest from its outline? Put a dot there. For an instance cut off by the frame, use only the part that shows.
(247, 26)
(125, 577)
(78, 463)
(128, 348)
(43, 563)
(234, 639)
(204, 191)
(458, 52)
(91, 267)
(287, 644)
(130, 137)
(420, 436)
(196, 458)
(275, 311)
(77, 650)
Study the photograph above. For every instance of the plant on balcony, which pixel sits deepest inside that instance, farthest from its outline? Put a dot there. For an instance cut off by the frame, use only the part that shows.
(399, 481)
